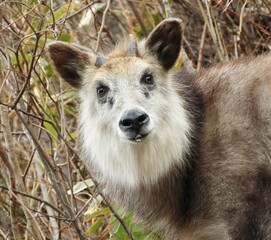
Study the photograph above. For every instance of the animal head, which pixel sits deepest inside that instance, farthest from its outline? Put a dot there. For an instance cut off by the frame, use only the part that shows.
(133, 123)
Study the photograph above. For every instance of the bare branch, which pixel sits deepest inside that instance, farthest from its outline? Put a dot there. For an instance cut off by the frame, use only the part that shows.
(102, 26)
(138, 17)
(53, 175)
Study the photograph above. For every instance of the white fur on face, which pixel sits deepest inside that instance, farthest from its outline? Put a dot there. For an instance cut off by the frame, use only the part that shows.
(120, 161)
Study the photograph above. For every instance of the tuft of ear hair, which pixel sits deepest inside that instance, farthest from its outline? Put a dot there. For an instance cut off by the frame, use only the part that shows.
(165, 41)
(70, 61)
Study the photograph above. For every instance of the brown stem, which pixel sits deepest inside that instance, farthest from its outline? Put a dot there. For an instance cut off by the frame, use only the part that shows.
(138, 17)
(226, 9)
(102, 25)
(54, 177)
(33, 197)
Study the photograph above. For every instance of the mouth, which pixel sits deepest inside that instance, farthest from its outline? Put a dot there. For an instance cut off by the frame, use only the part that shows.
(138, 138)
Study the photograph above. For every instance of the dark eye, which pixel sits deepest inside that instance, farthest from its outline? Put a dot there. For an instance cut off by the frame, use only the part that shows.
(102, 90)
(147, 79)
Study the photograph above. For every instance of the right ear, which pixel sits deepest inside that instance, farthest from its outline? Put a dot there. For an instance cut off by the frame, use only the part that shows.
(164, 42)
(70, 61)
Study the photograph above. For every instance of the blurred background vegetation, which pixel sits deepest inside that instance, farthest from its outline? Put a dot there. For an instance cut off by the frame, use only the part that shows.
(45, 191)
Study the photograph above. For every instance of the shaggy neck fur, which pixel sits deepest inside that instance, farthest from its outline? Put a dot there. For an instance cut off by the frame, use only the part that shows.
(166, 203)
(155, 175)
(122, 163)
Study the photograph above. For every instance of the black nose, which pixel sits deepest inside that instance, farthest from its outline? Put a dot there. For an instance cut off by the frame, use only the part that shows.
(133, 120)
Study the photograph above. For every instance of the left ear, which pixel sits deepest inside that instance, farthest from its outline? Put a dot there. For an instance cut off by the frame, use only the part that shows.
(70, 61)
(164, 42)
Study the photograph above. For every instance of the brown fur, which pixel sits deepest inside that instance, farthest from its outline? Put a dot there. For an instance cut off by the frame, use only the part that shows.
(221, 187)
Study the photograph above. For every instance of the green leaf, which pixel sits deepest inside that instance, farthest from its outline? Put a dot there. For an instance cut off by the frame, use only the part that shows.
(121, 234)
(34, 25)
(72, 135)
(58, 14)
(101, 212)
(65, 37)
(95, 226)
(51, 130)
(27, 57)
(48, 70)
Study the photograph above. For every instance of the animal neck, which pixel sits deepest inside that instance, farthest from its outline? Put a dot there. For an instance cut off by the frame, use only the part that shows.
(167, 201)
(161, 204)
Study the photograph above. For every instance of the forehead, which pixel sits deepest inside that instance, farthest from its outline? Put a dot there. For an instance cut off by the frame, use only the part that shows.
(121, 67)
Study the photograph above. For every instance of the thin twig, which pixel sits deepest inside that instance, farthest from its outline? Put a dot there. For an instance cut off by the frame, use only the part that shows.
(225, 9)
(92, 178)
(36, 230)
(33, 197)
(33, 61)
(82, 9)
(10, 160)
(3, 234)
(65, 18)
(18, 19)
(53, 175)
(102, 25)
(138, 17)
(203, 35)
(124, 12)
(167, 8)
(118, 217)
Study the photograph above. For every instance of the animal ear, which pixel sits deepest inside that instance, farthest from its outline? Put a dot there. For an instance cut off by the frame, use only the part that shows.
(70, 61)
(164, 42)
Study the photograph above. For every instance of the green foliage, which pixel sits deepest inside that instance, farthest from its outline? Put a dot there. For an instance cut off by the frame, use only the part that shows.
(65, 37)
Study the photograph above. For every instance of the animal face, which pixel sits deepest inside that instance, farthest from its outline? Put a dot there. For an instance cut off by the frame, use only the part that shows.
(123, 97)
(133, 123)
